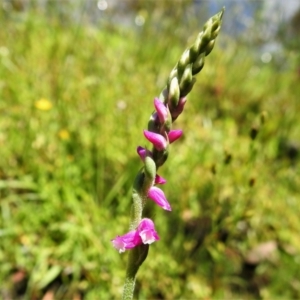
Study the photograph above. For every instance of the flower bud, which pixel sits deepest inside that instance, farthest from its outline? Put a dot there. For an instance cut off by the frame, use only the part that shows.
(150, 169)
(186, 80)
(174, 93)
(198, 64)
(179, 109)
(174, 135)
(183, 62)
(163, 113)
(158, 141)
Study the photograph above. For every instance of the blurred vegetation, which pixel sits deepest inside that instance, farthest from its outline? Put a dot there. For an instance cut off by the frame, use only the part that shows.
(75, 98)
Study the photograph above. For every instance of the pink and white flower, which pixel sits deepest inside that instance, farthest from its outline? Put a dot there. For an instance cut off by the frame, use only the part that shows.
(144, 234)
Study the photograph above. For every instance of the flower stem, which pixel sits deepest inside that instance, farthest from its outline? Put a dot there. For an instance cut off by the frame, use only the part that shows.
(138, 254)
(135, 260)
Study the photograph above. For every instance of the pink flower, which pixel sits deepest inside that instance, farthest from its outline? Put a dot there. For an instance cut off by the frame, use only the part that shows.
(174, 135)
(147, 231)
(162, 110)
(158, 196)
(144, 234)
(158, 141)
(143, 152)
(127, 241)
(159, 180)
(175, 112)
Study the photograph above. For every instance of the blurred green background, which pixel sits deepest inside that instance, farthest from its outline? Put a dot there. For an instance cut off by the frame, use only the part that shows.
(77, 83)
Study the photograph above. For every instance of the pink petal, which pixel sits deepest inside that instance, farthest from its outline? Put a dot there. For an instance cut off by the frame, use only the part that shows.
(145, 223)
(162, 110)
(147, 231)
(174, 135)
(149, 236)
(142, 152)
(159, 180)
(158, 196)
(158, 141)
(181, 103)
(175, 112)
(127, 241)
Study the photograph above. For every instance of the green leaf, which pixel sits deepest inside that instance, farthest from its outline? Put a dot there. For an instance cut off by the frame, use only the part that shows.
(50, 275)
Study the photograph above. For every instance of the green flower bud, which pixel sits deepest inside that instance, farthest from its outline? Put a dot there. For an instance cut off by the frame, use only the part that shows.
(174, 93)
(150, 171)
(160, 157)
(164, 95)
(191, 61)
(183, 62)
(198, 64)
(209, 47)
(188, 88)
(172, 75)
(186, 80)
(194, 49)
(152, 126)
(205, 40)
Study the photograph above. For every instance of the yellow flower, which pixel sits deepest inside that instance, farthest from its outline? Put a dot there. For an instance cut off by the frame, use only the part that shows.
(43, 104)
(64, 134)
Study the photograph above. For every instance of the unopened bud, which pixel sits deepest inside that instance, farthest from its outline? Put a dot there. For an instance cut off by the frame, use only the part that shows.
(160, 157)
(186, 80)
(179, 109)
(198, 64)
(183, 62)
(153, 124)
(162, 111)
(209, 47)
(150, 170)
(172, 75)
(174, 93)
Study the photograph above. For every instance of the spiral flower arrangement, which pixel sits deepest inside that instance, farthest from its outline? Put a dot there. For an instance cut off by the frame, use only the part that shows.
(168, 106)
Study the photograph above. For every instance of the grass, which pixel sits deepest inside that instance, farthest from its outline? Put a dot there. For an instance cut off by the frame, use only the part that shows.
(74, 101)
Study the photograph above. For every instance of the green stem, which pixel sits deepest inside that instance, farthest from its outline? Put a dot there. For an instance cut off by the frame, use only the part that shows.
(136, 257)
(138, 254)
(128, 287)
(137, 201)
